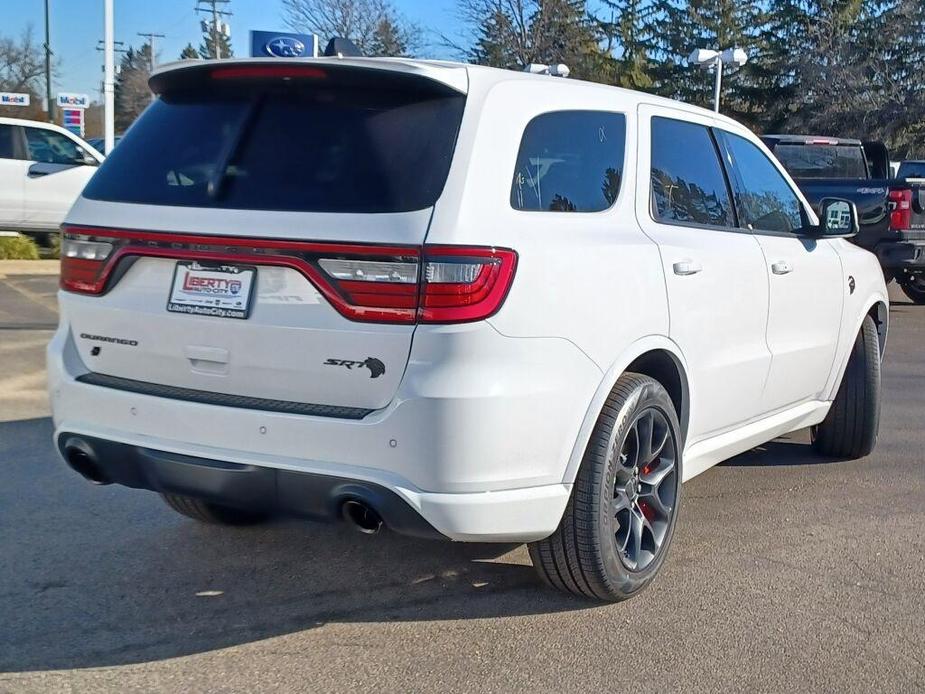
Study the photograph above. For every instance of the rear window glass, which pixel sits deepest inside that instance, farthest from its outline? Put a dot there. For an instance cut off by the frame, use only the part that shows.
(293, 148)
(570, 161)
(822, 161)
(911, 169)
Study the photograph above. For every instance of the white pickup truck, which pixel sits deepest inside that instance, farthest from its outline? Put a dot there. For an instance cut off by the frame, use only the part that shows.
(43, 169)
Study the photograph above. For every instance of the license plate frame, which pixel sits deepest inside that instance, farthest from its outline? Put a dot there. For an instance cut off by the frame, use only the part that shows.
(212, 291)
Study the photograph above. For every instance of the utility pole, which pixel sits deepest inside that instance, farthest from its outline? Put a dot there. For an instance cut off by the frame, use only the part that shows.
(51, 104)
(151, 36)
(215, 30)
(109, 78)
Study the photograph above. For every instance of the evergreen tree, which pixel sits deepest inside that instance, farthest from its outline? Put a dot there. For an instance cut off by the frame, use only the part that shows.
(212, 36)
(189, 53)
(626, 43)
(678, 27)
(132, 94)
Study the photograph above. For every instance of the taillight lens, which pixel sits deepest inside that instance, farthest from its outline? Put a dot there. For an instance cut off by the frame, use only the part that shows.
(463, 284)
(364, 282)
(900, 202)
(83, 260)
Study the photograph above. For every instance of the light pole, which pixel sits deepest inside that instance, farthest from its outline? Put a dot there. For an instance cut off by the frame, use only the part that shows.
(706, 58)
(51, 105)
(109, 72)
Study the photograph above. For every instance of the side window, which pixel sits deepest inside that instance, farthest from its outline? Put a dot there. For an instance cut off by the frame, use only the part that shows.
(52, 147)
(688, 184)
(764, 199)
(570, 161)
(7, 149)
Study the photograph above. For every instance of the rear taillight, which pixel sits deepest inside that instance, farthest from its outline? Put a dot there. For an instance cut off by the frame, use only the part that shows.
(461, 284)
(364, 282)
(82, 262)
(900, 202)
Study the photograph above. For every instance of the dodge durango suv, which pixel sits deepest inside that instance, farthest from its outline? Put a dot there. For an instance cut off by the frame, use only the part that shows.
(459, 302)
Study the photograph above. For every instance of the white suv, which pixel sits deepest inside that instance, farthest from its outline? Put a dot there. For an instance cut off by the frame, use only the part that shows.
(43, 168)
(457, 301)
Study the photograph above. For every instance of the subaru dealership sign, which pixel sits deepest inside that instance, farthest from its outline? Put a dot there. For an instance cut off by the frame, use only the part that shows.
(281, 44)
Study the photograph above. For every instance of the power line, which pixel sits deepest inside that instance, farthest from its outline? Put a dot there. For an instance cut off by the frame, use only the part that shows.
(216, 28)
(151, 36)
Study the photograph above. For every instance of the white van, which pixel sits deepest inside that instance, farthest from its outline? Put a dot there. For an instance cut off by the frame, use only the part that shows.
(456, 301)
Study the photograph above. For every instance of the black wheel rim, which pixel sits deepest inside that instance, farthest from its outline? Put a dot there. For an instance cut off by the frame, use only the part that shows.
(645, 489)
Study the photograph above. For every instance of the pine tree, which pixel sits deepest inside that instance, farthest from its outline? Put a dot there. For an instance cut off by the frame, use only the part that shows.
(624, 34)
(189, 53)
(209, 38)
(493, 45)
(132, 94)
(678, 27)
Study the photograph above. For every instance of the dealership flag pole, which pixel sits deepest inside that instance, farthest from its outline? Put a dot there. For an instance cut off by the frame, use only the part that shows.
(109, 69)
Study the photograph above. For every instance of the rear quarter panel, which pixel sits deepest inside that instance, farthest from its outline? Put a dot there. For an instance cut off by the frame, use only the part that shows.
(590, 278)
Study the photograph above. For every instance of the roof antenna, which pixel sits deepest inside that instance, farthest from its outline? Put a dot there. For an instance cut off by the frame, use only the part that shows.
(339, 47)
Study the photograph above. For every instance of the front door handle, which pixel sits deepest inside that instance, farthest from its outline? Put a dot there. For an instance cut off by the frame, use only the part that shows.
(686, 267)
(781, 267)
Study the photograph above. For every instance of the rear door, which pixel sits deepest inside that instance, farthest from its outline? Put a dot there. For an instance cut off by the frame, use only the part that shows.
(57, 169)
(715, 274)
(272, 227)
(12, 178)
(807, 286)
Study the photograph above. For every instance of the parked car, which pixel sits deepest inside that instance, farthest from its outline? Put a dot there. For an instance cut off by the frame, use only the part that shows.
(912, 169)
(99, 143)
(43, 168)
(461, 302)
(892, 211)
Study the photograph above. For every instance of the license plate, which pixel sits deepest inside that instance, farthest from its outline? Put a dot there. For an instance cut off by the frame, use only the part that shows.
(224, 291)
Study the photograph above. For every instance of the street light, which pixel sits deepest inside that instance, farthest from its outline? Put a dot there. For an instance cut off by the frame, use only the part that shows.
(706, 58)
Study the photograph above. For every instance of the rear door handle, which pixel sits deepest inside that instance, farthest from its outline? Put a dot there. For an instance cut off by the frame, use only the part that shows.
(687, 267)
(781, 267)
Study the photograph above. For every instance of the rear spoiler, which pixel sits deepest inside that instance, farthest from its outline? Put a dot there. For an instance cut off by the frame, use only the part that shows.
(362, 71)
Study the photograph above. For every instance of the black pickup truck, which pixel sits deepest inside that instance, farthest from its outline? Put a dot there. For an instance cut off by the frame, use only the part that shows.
(891, 211)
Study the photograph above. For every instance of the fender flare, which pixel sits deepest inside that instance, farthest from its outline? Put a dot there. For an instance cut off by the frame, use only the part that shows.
(635, 350)
(881, 304)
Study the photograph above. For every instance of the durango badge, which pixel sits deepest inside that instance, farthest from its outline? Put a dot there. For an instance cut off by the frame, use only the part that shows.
(375, 366)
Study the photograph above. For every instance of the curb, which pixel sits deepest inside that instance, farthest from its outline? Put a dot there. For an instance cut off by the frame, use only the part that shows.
(12, 268)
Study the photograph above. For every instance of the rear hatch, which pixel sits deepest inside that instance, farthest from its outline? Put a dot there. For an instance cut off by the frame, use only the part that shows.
(258, 234)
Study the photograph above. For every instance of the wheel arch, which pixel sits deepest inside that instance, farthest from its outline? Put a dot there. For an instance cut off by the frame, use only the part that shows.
(878, 308)
(655, 356)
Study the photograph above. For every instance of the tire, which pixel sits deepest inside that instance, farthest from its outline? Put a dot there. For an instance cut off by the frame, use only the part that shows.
(849, 431)
(207, 512)
(913, 286)
(620, 494)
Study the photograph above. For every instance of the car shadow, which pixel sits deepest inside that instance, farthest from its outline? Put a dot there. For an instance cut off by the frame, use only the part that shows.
(790, 450)
(101, 576)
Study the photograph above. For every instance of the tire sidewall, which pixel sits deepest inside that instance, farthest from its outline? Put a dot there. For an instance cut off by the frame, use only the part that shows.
(623, 580)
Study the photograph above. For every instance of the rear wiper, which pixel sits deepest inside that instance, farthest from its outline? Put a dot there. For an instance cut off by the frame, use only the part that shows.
(220, 174)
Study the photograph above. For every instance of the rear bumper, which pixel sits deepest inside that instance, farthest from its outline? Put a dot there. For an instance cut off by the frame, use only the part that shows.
(897, 255)
(238, 485)
(476, 442)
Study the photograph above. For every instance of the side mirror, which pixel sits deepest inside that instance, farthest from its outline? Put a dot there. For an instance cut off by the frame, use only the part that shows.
(838, 219)
(87, 159)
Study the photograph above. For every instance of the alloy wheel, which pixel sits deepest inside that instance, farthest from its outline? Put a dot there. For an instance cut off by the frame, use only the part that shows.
(645, 489)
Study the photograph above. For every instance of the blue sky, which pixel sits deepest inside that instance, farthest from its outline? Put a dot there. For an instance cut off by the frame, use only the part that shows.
(77, 25)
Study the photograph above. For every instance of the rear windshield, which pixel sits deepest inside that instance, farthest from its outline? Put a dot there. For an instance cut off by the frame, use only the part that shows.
(911, 169)
(822, 161)
(296, 148)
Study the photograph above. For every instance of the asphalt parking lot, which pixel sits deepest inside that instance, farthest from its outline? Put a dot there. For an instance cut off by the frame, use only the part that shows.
(787, 573)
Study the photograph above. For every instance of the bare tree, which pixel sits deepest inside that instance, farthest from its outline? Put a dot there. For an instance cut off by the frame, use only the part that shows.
(373, 25)
(22, 69)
